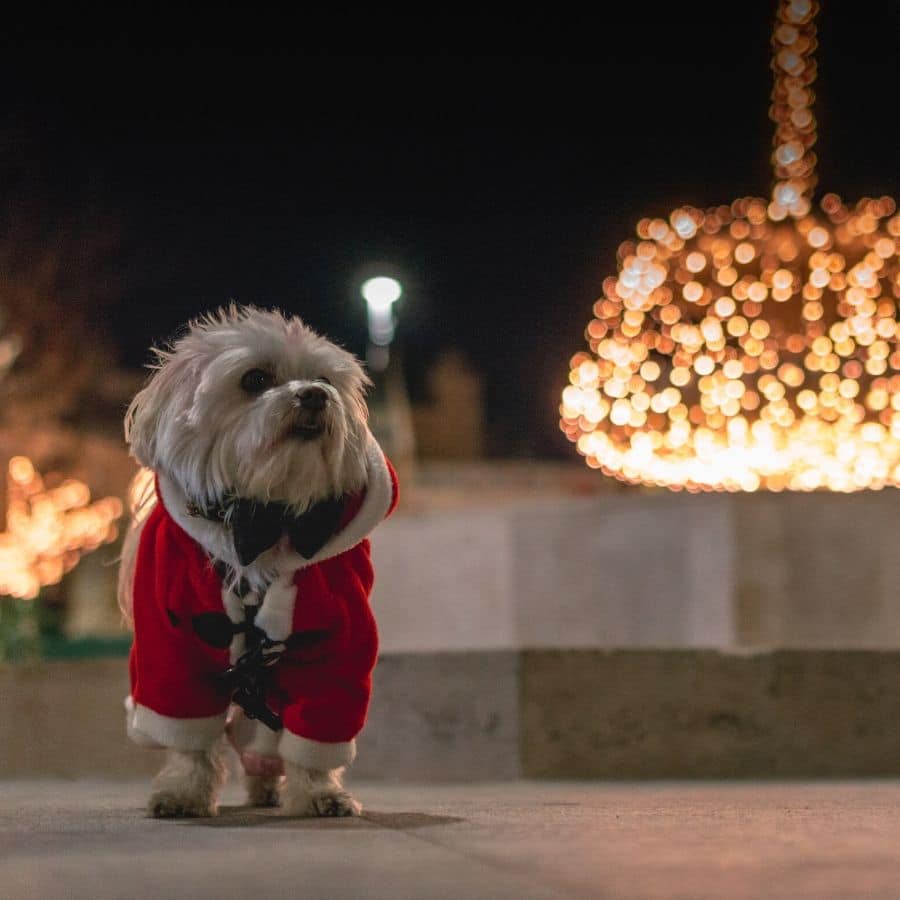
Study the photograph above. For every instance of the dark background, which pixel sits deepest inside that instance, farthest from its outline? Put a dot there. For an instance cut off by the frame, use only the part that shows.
(498, 188)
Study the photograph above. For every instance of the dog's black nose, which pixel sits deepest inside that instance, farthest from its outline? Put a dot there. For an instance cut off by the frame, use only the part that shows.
(312, 398)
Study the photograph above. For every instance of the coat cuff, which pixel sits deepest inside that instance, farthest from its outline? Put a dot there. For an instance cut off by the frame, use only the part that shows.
(312, 754)
(151, 729)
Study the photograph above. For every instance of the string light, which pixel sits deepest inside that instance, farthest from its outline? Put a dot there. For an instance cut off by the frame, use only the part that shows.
(753, 345)
(48, 529)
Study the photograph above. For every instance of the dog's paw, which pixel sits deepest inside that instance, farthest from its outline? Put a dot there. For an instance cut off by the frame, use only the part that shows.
(168, 805)
(324, 804)
(339, 803)
(316, 792)
(263, 790)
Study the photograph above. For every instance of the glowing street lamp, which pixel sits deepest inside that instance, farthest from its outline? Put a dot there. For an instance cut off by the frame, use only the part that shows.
(390, 416)
(380, 294)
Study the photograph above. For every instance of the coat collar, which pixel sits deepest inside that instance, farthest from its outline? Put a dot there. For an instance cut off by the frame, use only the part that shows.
(377, 502)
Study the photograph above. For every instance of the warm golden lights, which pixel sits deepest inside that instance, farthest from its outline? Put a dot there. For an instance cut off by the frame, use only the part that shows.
(48, 529)
(754, 344)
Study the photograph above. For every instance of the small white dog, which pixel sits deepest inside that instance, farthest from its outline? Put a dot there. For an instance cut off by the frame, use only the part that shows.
(247, 572)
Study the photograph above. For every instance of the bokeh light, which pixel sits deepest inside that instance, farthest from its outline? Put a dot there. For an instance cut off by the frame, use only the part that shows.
(755, 344)
(48, 529)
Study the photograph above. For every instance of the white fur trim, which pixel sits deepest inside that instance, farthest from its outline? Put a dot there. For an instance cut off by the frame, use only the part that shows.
(276, 614)
(151, 729)
(248, 734)
(315, 754)
(211, 536)
(142, 739)
(374, 508)
(235, 611)
(217, 541)
(265, 741)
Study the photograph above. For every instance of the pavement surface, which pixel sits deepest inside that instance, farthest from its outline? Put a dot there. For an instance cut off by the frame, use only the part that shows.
(522, 840)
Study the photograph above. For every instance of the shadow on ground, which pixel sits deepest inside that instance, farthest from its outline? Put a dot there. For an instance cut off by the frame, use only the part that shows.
(241, 817)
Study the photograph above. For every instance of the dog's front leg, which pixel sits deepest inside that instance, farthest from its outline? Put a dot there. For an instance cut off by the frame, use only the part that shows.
(316, 792)
(263, 790)
(188, 785)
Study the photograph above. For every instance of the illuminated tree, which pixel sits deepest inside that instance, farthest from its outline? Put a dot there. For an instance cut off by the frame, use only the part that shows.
(753, 344)
(61, 393)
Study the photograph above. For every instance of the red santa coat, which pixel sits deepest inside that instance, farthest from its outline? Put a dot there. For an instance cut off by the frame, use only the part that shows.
(321, 690)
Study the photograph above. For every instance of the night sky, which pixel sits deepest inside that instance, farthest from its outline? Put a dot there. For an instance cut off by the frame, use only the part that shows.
(498, 188)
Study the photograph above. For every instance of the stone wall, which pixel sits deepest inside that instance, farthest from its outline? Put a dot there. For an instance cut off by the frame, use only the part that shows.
(541, 714)
(643, 570)
(621, 635)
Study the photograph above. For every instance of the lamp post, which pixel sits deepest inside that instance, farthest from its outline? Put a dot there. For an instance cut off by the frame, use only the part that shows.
(390, 416)
(380, 294)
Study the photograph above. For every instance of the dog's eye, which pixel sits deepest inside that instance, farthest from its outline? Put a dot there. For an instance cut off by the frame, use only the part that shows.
(256, 381)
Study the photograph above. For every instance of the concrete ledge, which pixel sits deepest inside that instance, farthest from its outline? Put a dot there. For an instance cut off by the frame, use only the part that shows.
(443, 717)
(433, 716)
(67, 719)
(643, 570)
(669, 713)
(538, 713)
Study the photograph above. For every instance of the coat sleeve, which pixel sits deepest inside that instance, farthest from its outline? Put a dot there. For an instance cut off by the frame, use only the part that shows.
(328, 706)
(175, 700)
(395, 486)
(327, 686)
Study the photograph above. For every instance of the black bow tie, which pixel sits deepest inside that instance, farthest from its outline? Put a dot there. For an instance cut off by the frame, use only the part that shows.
(256, 526)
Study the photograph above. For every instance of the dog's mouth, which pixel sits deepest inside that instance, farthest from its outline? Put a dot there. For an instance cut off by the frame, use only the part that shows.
(307, 426)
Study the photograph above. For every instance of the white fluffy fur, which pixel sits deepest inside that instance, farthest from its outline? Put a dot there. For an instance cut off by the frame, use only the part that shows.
(316, 792)
(203, 435)
(188, 785)
(194, 422)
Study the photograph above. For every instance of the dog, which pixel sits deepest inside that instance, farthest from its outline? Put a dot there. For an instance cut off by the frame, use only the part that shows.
(247, 569)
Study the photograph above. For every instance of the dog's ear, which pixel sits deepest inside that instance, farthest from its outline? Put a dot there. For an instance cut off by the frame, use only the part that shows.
(159, 398)
(348, 467)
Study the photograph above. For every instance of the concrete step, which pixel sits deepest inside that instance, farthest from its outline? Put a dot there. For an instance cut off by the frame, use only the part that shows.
(537, 713)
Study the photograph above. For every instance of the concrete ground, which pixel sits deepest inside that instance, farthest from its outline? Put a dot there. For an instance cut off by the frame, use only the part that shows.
(522, 840)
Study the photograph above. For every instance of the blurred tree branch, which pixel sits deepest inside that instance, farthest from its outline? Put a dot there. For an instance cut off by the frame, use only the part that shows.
(61, 394)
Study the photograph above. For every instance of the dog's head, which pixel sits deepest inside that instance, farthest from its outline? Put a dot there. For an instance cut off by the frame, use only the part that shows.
(254, 403)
